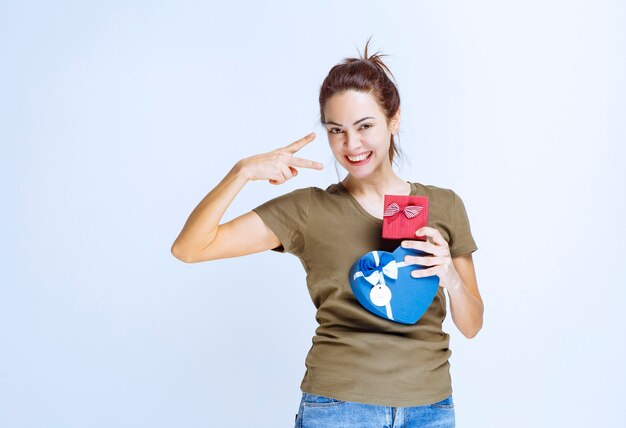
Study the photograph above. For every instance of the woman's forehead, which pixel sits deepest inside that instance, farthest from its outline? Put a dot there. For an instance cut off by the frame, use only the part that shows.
(349, 106)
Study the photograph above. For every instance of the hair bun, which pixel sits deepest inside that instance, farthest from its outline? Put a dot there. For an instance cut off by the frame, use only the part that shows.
(375, 59)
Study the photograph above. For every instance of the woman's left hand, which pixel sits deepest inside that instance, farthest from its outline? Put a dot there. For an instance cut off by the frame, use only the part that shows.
(440, 261)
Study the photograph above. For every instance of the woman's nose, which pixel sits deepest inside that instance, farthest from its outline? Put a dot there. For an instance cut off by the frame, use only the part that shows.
(351, 141)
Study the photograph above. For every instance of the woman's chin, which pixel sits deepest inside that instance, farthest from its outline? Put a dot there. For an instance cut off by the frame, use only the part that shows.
(359, 173)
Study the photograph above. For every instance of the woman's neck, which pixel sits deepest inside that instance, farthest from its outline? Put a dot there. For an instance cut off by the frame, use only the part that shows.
(377, 187)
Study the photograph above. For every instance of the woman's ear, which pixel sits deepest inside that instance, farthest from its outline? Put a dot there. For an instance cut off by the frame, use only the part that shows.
(394, 123)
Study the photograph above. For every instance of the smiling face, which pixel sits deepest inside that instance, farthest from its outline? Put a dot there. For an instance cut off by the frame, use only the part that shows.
(358, 133)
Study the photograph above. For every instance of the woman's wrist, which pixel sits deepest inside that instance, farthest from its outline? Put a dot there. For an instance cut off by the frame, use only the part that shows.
(240, 171)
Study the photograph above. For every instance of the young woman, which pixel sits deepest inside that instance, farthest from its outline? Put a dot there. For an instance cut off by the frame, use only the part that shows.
(362, 370)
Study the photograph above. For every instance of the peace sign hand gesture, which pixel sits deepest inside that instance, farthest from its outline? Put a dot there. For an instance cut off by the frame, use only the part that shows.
(278, 165)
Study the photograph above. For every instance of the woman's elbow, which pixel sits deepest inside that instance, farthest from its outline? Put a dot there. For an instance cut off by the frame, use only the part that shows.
(471, 333)
(180, 255)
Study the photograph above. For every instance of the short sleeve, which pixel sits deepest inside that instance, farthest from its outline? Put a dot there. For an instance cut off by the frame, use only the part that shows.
(461, 239)
(287, 215)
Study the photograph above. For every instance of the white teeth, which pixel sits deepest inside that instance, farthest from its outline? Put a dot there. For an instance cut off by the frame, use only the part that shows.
(359, 157)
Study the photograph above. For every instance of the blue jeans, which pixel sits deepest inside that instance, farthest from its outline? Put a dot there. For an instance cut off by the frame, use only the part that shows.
(317, 411)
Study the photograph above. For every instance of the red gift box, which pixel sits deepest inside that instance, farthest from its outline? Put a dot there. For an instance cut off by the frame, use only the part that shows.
(403, 215)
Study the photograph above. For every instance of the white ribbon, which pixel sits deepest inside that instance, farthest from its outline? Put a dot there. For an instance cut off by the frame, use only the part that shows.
(390, 269)
(376, 277)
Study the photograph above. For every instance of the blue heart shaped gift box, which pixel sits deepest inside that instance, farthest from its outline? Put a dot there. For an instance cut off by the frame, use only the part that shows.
(382, 283)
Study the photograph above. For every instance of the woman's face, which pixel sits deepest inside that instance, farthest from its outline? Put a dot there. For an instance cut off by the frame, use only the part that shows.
(358, 134)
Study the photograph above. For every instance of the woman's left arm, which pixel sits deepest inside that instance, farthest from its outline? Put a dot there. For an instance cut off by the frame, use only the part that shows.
(456, 274)
(466, 305)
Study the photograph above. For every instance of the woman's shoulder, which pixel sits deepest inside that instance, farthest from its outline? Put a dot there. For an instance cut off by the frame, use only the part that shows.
(331, 189)
(302, 194)
(433, 190)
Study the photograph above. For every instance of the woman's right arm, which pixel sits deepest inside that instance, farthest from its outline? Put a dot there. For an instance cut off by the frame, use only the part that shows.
(203, 238)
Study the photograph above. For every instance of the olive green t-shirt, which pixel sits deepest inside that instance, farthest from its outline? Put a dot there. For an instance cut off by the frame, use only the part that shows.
(356, 355)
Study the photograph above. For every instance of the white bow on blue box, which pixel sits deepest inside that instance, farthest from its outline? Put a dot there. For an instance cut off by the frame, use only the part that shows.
(382, 283)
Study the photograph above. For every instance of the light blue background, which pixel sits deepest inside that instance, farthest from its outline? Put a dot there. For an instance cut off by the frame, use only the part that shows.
(116, 118)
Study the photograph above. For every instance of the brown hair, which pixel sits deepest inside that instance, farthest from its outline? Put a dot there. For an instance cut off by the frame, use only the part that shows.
(365, 74)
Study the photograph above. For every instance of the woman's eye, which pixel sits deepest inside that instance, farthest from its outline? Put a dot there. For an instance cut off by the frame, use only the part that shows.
(337, 130)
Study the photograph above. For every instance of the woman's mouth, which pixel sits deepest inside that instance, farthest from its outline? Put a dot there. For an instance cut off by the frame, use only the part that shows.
(359, 159)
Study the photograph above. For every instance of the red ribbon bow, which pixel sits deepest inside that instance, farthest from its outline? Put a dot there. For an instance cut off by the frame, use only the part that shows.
(410, 211)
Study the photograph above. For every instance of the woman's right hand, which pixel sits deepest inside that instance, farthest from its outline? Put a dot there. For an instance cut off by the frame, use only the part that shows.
(278, 165)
